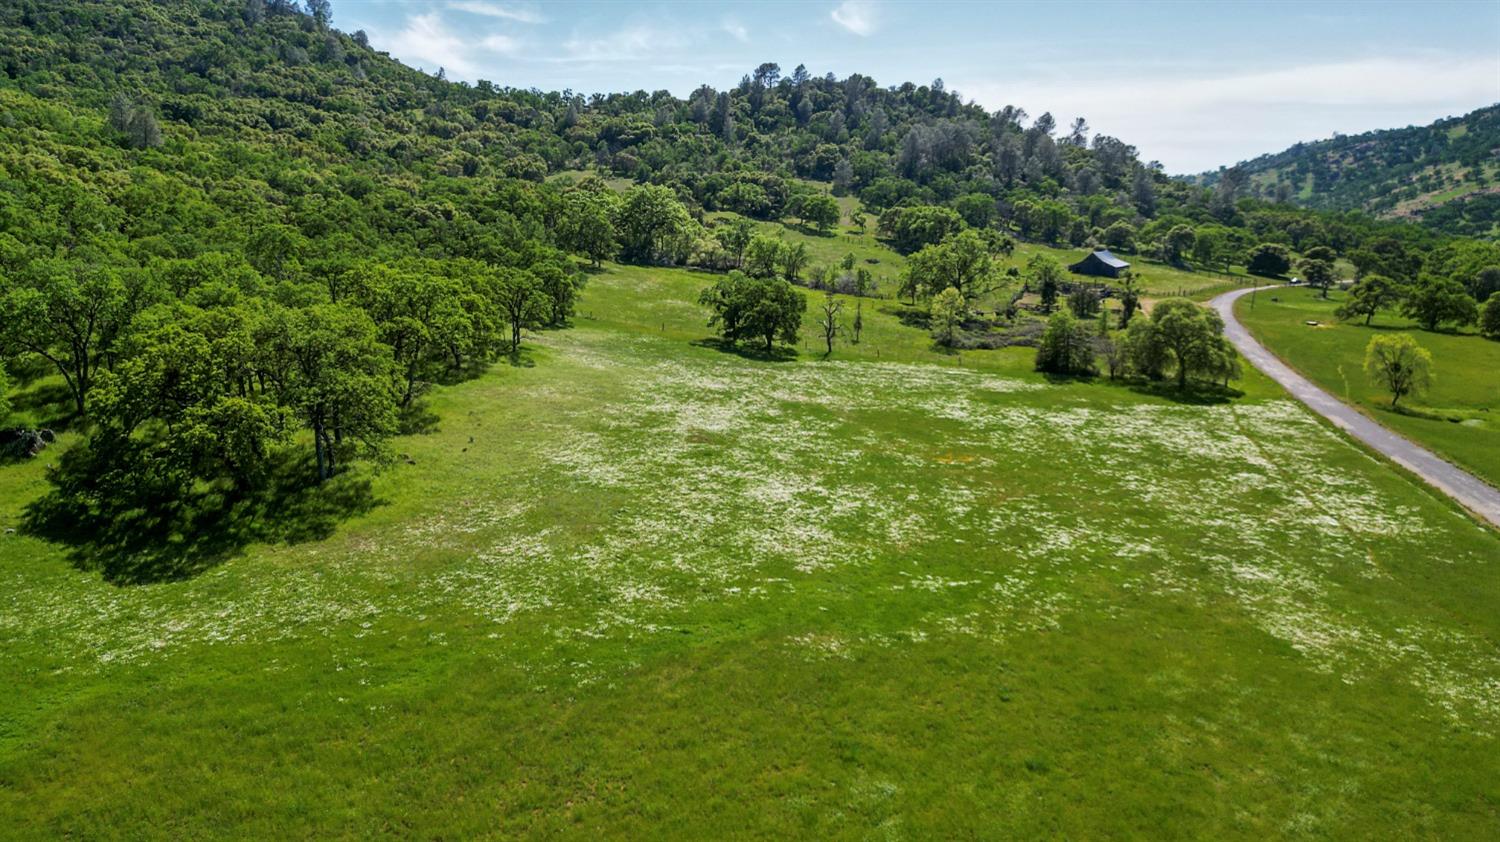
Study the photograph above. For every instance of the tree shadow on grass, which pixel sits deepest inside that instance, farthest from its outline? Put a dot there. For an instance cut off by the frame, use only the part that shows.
(520, 358)
(145, 532)
(416, 418)
(1196, 393)
(778, 354)
(50, 404)
(448, 374)
(909, 316)
(1055, 379)
(1417, 330)
(1422, 413)
(812, 230)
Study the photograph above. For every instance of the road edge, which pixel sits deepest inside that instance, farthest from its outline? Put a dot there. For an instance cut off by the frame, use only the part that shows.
(1473, 495)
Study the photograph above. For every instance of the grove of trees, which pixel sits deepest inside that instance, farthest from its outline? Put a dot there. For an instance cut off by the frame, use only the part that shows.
(1179, 339)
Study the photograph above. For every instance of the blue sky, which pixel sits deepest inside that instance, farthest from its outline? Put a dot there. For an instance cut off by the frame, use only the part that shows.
(1194, 85)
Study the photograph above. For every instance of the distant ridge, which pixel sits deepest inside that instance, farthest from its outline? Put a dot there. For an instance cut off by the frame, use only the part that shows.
(1446, 175)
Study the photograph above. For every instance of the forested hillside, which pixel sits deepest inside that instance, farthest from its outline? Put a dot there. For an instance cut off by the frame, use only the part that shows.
(1446, 175)
(232, 232)
(262, 78)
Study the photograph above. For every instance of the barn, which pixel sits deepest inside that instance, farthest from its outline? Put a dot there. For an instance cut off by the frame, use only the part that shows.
(1100, 263)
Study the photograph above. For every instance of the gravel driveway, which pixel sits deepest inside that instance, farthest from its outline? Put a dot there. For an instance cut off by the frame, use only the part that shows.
(1470, 491)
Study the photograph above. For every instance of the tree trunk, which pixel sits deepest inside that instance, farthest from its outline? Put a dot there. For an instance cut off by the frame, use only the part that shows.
(330, 455)
(318, 449)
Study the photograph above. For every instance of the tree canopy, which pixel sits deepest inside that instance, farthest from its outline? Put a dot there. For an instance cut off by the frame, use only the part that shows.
(744, 307)
(1191, 338)
(1434, 301)
(1399, 365)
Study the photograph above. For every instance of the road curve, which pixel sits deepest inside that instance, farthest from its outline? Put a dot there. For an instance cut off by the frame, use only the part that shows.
(1470, 491)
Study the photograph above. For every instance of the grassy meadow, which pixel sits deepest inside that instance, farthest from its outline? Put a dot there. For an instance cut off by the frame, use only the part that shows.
(1157, 279)
(1458, 418)
(637, 585)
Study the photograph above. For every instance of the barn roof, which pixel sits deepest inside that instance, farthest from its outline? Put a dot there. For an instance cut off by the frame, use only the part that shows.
(1110, 259)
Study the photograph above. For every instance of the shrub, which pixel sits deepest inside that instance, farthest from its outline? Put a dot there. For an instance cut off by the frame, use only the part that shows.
(1067, 347)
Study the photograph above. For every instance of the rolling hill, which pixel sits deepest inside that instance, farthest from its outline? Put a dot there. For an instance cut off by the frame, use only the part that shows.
(1445, 175)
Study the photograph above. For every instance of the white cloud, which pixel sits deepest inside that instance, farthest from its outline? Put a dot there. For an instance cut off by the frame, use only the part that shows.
(857, 16)
(426, 43)
(500, 44)
(1193, 124)
(736, 30)
(628, 44)
(518, 14)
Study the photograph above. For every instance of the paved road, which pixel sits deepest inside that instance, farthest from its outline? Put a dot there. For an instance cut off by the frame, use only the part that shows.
(1471, 492)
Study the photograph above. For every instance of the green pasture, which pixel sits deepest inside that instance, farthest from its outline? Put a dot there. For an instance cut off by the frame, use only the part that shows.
(1459, 418)
(641, 585)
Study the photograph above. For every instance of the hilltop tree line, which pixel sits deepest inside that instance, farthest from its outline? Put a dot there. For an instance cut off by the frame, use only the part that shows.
(277, 72)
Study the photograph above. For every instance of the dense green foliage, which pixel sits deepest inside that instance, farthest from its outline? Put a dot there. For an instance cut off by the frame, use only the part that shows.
(242, 280)
(1435, 301)
(1269, 259)
(758, 308)
(1178, 338)
(1489, 317)
(261, 88)
(1368, 296)
(963, 261)
(947, 312)
(1444, 174)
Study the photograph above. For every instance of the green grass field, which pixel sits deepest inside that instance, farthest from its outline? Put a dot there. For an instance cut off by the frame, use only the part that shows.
(1459, 418)
(644, 587)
